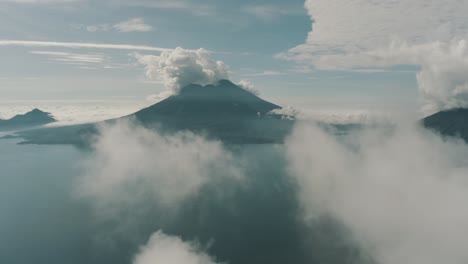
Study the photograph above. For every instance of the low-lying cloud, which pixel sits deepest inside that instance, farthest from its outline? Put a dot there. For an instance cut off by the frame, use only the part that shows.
(402, 192)
(162, 249)
(130, 163)
(181, 67)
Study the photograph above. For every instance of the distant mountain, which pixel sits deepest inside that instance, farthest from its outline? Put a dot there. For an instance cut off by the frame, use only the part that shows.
(222, 111)
(31, 119)
(224, 99)
(452, 122)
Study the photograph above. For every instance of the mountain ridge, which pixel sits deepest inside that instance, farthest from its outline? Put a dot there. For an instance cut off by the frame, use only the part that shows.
(222, 111)
(30, 119)
(451, 123)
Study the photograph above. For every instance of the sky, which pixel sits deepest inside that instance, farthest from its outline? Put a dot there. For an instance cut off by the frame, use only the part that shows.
(317, 54)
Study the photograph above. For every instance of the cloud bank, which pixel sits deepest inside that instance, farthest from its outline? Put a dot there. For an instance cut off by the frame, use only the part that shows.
(162, 249)
(131, 162)
(402, 192)
(180, 67)
(370, 34)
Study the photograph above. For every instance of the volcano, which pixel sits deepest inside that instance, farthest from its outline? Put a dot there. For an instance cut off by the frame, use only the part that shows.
(223, 111)
(452, 123)
(33, 118)
(223, 100)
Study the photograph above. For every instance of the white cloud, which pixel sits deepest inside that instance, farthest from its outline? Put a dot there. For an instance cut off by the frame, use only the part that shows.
(249, 86)
(133, 25)
(348, 34)
(88, 61)
(41, 1)
(144, 165)
(442, 80)
(162, 249)
(266, 73)
(26, 43)
(73, 57)
(69, 112)
(100, 27)
(343, 27)
(402, 193)
(181, 67)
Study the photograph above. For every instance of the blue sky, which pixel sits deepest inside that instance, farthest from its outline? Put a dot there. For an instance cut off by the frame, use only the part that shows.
(268, 42)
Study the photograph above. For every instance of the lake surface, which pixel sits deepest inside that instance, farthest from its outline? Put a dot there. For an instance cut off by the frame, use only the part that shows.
(40, 220)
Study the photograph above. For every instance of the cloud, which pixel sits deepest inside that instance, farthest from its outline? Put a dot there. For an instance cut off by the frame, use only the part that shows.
(131, 163)
(402, 192)
(267, 73)
(287, 112)
(442, 81)
(91, 61)
(338, 30)
(181, 67)
(133, 25)
(100, 27)
(248, 86)
(26, 43)
(41, 1)
(162, 249)
(67, 57)
(383, 34)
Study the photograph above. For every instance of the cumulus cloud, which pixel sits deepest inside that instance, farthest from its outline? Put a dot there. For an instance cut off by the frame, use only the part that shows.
(180, 67)
(249, 86)
(402, 192)
(129, 162)
(337, 29)
(162, 249)
(365, 33)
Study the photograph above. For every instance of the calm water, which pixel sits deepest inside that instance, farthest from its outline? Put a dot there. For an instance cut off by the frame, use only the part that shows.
(40, 221)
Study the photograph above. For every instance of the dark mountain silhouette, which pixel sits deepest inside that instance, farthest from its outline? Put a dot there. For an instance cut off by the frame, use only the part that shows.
(33, 118)
(453, 123)
(196, 101)
(223, 111)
